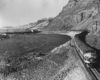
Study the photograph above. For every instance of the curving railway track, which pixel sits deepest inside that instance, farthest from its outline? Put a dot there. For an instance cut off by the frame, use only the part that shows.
(94, 73)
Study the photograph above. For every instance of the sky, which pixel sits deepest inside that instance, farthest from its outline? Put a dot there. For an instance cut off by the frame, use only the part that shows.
(21, 12)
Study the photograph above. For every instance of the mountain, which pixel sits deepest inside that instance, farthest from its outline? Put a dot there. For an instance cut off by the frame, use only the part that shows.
(40, 24)
(79, 15)
(75, 15)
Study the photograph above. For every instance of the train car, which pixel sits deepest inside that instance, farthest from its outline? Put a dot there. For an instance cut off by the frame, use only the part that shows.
(89, 55)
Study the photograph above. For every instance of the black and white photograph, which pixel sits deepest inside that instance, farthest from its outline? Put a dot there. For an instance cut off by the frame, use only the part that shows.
(49, 39)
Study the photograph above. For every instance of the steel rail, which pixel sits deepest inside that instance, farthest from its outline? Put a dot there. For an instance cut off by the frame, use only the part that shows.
(96, 72)
(90, 70)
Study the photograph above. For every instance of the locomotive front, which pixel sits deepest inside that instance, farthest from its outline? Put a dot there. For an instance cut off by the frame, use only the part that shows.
(90, 57)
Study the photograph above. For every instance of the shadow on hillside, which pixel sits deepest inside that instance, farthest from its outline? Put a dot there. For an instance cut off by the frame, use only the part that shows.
(82, 38)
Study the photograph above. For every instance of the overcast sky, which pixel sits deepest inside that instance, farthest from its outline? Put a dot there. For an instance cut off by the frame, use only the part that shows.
(20, 12)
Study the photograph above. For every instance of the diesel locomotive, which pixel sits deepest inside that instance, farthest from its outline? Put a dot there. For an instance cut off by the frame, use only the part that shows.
(88, 54)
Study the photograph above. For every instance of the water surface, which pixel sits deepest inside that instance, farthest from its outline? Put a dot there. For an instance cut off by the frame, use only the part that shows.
(26, 43)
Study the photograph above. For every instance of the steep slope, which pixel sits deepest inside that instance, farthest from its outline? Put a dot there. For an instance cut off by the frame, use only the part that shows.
(79, 15)
(74, 14)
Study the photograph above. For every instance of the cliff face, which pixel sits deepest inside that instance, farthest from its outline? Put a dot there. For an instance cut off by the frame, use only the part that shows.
(79, 15)
(74, 14)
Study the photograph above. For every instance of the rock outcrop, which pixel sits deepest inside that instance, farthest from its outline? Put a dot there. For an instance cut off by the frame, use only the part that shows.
(74, 14)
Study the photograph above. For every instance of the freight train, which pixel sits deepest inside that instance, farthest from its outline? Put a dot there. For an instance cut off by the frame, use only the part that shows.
(88, 54)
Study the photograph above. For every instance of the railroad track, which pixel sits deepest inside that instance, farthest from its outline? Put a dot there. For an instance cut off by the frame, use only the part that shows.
(88, 69)
(94, 73)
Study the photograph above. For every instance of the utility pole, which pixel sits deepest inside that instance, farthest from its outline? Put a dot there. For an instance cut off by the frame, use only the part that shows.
(98, 8)
(98, 5)
(96, 24)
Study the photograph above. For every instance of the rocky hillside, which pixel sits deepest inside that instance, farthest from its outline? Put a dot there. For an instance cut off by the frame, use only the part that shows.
(27, 27)
(77, 14)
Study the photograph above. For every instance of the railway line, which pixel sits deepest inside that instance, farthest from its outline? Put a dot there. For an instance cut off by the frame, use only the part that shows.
(94, 73)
